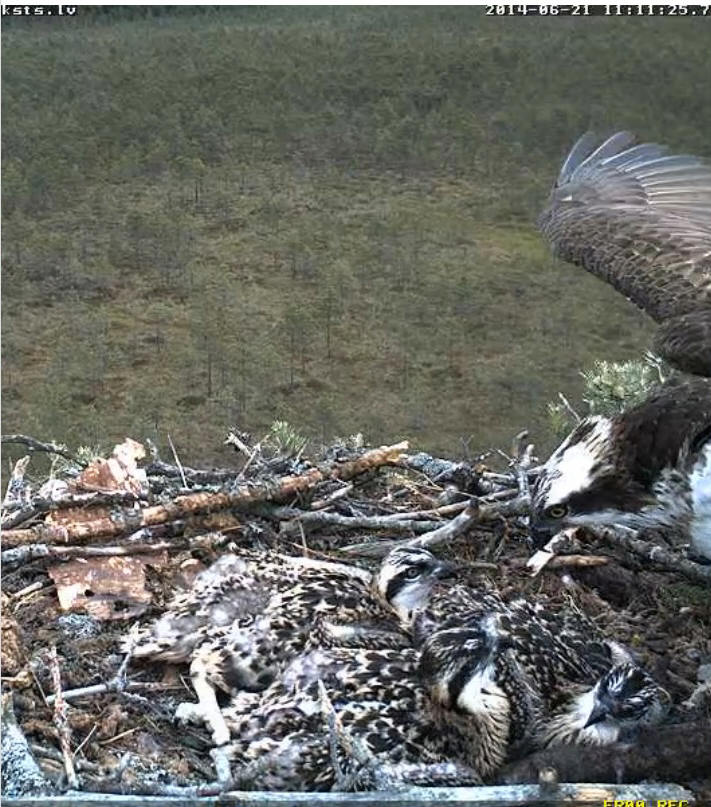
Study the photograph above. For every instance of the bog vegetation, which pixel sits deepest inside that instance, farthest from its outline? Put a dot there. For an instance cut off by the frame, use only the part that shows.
(231, 216)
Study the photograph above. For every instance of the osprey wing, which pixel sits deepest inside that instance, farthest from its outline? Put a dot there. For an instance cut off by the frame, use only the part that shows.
(640, 219)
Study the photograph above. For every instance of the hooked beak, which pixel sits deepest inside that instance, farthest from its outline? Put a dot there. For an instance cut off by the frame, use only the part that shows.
(541, 533)
(446, 570)
(598, 713)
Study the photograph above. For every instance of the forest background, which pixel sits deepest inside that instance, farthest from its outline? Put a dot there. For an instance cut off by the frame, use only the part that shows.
(227, 216)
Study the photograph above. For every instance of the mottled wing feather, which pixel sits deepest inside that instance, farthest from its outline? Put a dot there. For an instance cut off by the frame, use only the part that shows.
(554, 647)
(640, 219)
(238, 587)
(685, 341)
(378, 702)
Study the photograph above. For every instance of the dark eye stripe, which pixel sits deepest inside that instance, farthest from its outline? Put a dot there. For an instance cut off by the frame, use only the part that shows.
(400, 580)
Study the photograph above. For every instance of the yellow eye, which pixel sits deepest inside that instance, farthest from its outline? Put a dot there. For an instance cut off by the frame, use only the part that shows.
(557, 511)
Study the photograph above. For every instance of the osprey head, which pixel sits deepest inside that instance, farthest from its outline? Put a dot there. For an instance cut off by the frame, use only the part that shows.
(627, 696)
(407, 576)
(475, 688)
(455, 666)
(578, 482)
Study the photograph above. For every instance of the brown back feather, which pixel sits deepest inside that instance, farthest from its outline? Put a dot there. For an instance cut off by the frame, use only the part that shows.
(674, 420)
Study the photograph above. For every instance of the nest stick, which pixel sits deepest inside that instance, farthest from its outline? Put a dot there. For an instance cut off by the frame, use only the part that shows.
(60, 720)
(671, 561)
(38, 445)
(285, 488)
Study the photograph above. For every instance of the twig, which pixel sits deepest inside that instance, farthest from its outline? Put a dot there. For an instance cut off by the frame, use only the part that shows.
(37, 445)
(114, 686)
(233, 439)
(250, 460)
(85, 740)
(655, 553)
(117, 684)
(41, 504)
(38, 684)
(319, 504)
(177, 461)
(580, 561)
(507, 480)
(444, 510)
(569, 409)
(285, 488)
(11, 558)
(519, 506)
(499, 495)
(38, 585)
(158, 468)
(185, 793)
(482, 565)
(320, 518)
(522, 462)
(441, 471)
(446, 532)
(60, 720)
(352, 746)
(18, 515)
(52, 753)
(118, 736)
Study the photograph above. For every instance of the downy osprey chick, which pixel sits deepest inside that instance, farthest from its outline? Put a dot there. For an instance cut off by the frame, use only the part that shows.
(444, 715)
(449, 714)
(291, 607)
(622, 701)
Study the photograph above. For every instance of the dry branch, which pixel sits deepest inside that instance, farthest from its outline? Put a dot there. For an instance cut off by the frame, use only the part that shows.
(37, 445)
(285, 488)
(53, 754)
(677, 752)
(111, 794)
(12, 558)
(443, 471)
(114, 685)
(117, 684)
(314, 520)
(60, 720)
(216, 476)
(671, 561)
(319, 504)
(577, 561)
(41, 504)
(448, 531)
(523, 460)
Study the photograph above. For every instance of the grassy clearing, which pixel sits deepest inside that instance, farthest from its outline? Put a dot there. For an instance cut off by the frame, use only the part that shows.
(320, 215)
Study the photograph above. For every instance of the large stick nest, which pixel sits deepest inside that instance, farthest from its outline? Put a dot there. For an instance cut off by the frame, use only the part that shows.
(105, 543)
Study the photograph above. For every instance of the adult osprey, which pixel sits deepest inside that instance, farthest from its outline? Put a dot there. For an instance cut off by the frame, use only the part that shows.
(640, 219)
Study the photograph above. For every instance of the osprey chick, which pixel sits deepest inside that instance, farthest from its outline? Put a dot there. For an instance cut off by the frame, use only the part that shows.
(451, 712)
(641, 220)
(249, 614)
(623, 700)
